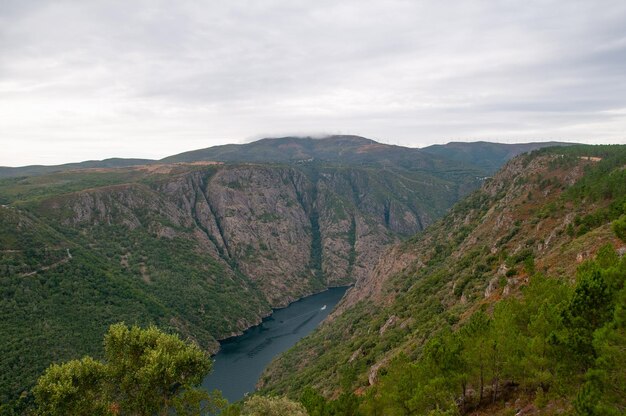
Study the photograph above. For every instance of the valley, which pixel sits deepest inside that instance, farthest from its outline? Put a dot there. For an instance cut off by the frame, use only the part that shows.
(202, 248)
(328, 208)
(205, 245)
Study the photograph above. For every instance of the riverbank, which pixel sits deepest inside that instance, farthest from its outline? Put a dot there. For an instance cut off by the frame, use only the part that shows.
(263, 318)
(241, 359)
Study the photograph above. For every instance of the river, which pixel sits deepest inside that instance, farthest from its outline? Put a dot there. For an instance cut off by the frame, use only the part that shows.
(241, 360)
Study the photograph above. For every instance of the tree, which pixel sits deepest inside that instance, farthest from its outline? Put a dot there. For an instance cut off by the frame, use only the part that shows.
(589, 308)
(606, 257)
(619, 227)
(539, 359)
(506, 344)
(150, 367)
(372, 404)
(145, 372)
(540, 313)
(415, 388)
(443, 357)
(198, 402)
(347, 404)
(398, 387)
(314, 403)
(604, 392)
(474, 338)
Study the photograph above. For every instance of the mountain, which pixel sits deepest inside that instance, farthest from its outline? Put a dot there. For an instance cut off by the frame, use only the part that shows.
(513, 300)
(202, 248)
(352, 150)
(337, 149)
(342, 149)
(489, 156)
(32, 170)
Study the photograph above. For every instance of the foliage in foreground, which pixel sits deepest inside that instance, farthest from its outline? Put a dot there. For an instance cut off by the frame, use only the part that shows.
(145, 372)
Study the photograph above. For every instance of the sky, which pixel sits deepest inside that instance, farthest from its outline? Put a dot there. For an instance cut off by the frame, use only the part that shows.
(95, 79)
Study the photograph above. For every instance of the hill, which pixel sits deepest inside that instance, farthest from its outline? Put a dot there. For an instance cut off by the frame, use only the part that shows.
(513, 300)
(489, 156)
(343, 149)
(346, 150)
(32, 170)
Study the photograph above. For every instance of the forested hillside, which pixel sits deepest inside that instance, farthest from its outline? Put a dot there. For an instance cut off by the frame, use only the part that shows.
(513, 302)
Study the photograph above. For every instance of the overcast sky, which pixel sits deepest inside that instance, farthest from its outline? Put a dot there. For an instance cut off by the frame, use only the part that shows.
(96, 79)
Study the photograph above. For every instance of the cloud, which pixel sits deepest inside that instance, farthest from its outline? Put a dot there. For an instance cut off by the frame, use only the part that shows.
(84, 80)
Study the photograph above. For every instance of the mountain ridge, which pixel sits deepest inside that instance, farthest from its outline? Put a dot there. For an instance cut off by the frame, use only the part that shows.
(293, 149)
(489, 155)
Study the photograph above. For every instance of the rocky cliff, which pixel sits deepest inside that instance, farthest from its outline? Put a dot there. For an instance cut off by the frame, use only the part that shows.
(291, 231)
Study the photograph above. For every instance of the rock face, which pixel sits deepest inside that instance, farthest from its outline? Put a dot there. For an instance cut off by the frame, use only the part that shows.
(291, 230)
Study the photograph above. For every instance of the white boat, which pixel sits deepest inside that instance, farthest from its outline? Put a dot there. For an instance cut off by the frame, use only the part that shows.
(323, 307)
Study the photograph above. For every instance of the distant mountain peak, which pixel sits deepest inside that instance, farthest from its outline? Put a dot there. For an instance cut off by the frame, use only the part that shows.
(337, 149)
(333, 148)
(331, 137)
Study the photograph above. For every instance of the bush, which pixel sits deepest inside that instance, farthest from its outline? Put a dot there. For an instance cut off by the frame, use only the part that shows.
(619, 227)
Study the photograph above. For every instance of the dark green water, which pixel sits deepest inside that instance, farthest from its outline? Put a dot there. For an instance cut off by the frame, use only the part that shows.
(239, 364)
